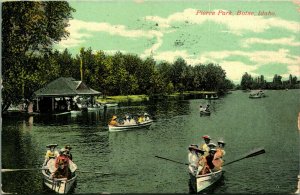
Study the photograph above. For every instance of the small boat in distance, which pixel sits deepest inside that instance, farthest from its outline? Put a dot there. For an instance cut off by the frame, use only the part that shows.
(110, 104)
(257, 94)
(129, 123)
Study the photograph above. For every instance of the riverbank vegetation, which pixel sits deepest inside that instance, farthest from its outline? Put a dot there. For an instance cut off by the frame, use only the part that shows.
(249, 82)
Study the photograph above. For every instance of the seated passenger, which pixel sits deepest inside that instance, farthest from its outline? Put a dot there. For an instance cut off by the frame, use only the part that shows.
(146, 115)
(204, 146)
(113, 121)
(62, 166)
(68, 151)
(51, 153)
(194, 156)
(218, 158)
(208, 165)
(201, 109)
(207, 108)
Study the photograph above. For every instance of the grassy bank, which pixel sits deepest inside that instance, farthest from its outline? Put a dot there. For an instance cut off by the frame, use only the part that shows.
(141, 98)
(123, 98)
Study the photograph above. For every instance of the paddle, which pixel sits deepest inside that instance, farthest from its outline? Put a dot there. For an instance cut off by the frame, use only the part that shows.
(172, 160)
(252, 154)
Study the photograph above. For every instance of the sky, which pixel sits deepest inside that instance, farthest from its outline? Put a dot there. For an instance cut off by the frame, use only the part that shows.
(230, 33)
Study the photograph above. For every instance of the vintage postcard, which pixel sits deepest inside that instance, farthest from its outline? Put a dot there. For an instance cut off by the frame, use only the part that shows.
(150, 96)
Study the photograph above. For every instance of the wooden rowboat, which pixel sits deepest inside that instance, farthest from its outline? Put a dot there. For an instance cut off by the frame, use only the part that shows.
(146, 123)
(202, 182)
(61, 185)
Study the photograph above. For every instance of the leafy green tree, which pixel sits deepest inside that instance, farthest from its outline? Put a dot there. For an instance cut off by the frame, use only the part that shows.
(247, 81)
(29, 29)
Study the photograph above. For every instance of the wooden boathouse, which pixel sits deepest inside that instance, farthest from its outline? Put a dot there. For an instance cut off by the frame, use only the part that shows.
(58, 95)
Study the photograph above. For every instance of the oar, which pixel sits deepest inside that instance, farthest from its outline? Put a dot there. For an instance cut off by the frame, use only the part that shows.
(172, 160)
(31, 169)
(252, 154)
(35, 169)
(95, 172)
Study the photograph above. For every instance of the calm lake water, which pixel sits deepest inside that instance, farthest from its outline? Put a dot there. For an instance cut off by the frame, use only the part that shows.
(127, 159)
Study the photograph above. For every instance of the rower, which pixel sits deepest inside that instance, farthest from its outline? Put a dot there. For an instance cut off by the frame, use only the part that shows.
(62, 165)
(208, 165)
(51, 153)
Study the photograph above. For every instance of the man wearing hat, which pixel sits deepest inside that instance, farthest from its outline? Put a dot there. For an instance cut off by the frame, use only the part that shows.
(205, 146)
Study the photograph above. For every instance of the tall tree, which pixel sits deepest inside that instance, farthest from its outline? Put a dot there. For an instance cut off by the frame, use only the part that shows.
(29, 29)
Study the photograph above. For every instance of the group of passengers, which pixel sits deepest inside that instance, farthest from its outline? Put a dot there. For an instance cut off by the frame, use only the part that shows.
(59, 164)
(129, 120)
(207, 158)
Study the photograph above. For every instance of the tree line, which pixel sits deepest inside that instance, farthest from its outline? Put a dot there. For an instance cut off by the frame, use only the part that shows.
(249, 82)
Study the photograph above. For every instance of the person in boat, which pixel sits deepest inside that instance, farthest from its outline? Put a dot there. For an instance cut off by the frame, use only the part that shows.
(146, 115)
(205, 146)
(141, 119)
(113, 121)
(212, 145)
(207, 108)
(218, 157)
(51, 153)
(194, 157)
(68, 151)
(207, 162)
(62, 166)
(201, 109)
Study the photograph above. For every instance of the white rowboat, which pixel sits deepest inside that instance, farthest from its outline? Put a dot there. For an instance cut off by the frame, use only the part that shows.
(61, 186)
(201, 182)
(129, 127)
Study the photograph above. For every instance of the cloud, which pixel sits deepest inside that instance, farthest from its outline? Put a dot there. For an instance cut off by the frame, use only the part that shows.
(281, 56)
(294, 70)
(235, 23)
(80, 29)
(283, 41)
(235, 69)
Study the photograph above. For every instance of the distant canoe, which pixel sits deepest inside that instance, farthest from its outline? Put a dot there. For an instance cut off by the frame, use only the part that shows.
(147, 123)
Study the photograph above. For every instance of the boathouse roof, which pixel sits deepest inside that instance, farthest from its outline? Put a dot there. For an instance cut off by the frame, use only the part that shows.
(65, 87)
